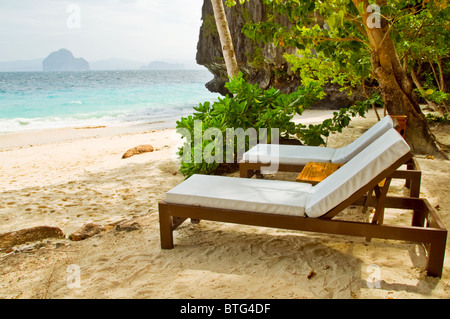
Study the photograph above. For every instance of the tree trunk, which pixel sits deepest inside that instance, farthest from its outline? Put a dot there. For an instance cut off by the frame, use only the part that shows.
(395, 86)
(419, 86)
(225, 38)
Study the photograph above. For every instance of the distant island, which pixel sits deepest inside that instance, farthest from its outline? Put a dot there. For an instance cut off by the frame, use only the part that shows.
(63, 60)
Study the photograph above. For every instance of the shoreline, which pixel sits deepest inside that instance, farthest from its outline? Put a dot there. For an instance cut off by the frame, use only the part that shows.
(36, 137)
(59, 135)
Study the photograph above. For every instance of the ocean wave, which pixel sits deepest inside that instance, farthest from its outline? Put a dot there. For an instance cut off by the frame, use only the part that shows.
(94, 119)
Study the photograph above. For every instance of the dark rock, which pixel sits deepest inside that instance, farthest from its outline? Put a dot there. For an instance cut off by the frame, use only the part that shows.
(128, 226)
(23, 236)
(86, 231)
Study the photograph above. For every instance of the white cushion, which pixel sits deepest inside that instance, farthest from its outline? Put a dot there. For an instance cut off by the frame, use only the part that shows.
(292, 198)
(344, 154)
(288, 154)
(301, 155)
(356, 173)
(255, 195)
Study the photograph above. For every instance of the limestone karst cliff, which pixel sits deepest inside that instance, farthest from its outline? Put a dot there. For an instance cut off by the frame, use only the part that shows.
(261, 63)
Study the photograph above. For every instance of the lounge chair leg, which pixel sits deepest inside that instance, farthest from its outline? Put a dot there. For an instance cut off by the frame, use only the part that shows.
(165, 228)
(409, 166)
(243, 171)
(414, 186)
(247, 171)
(367, 201)
(418, 219)
(413, 182)
(378, 217)
(436, 252)
(379, 213)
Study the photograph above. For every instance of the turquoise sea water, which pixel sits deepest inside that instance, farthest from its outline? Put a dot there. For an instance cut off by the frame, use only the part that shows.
(40, 100)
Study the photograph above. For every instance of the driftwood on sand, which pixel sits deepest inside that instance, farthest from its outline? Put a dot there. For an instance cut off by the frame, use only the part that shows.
(138, 150)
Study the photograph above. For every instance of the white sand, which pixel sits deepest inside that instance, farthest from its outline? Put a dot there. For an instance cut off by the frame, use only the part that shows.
(72, 177)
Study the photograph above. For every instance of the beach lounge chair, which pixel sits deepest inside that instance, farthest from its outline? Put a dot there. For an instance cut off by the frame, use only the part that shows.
(290, 157)
(293, 158)
(303, 207)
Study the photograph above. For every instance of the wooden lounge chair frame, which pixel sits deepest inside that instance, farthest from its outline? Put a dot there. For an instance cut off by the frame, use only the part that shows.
(426, 227)
(412, 174)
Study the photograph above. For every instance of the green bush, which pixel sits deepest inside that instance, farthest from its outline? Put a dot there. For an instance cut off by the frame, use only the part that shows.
(314, 134)
(249, 109)
(432, 118)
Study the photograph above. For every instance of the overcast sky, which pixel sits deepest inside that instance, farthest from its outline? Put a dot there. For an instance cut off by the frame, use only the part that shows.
(142, 30)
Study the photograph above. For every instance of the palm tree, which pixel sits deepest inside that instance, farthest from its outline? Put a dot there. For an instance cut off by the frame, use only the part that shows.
(225, 38)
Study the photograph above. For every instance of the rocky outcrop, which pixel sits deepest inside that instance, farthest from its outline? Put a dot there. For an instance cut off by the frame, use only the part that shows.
(261, 63)
(63, 60)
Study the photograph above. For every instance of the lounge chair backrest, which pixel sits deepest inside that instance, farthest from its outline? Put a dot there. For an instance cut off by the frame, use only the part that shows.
(356, 173)
(344, 154)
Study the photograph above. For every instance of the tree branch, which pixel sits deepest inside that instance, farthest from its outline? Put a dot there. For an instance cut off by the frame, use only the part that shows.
(335, 39)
